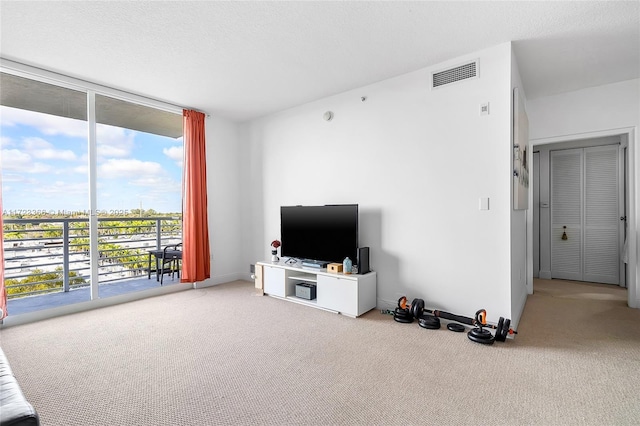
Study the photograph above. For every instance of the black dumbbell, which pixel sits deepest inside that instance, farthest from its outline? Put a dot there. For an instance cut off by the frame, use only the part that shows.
(417, 309)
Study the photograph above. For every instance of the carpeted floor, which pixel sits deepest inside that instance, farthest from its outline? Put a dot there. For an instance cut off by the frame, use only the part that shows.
(223, 355)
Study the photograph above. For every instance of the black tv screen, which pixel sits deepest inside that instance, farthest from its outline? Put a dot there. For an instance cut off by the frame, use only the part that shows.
(324, 233)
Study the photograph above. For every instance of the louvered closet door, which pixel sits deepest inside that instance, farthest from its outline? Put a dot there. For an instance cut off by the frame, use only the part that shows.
(601, 218)
(566, 210)
(585, 200)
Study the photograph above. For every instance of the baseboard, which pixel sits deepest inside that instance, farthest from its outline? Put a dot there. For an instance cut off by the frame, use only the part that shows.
(386, 304)
(220, 279)
(517, 313)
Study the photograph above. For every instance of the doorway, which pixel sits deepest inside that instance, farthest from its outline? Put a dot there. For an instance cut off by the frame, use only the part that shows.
(568, 187)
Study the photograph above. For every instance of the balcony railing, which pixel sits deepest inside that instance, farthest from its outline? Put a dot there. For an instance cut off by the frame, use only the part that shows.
(52, 255)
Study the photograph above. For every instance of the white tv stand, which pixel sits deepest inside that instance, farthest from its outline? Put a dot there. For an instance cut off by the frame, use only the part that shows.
(349, 294)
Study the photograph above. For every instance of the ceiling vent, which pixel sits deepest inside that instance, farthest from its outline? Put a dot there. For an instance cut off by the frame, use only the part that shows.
(451, 75)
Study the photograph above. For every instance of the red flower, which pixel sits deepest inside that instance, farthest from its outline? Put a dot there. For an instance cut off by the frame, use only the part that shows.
(275, 244)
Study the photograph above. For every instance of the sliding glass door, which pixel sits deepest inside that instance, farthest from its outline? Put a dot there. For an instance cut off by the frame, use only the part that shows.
(138, 176)
(45, 194)
(91, 184)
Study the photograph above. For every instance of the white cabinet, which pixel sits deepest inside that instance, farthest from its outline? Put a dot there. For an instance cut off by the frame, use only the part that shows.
(274, 281)
(350, 295)
(338, 294)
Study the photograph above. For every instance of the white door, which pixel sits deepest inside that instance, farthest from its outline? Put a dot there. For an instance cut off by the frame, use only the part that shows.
(624, 207)
(536, 214)
(585, 214)
(601, 215)
(566, 214)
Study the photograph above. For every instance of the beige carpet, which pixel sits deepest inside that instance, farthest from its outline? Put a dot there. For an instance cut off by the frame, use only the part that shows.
(222, 355)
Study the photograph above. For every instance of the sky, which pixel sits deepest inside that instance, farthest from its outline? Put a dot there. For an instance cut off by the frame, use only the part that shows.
(44, 160)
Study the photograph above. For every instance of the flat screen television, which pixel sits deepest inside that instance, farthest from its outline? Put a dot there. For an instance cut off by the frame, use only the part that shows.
(323, 233)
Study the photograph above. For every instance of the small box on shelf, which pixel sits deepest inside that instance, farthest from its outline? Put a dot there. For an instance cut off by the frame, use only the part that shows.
(334, 268)
(306, 291)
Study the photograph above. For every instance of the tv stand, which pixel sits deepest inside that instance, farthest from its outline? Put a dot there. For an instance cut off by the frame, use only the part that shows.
(348, 294)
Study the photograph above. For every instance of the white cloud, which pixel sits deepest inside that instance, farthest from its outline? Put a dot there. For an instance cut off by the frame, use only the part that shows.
(44, 150)
(6, 141)
(45, 123)
(33, 144)
(174, 153)
(160, 191)
(40, 168)
(16, 177)
(112, 151)
(114, 142)
(129, 168)
(158, 184)
(15, 160)
(151, 181)
(81, 169)
(59, 188)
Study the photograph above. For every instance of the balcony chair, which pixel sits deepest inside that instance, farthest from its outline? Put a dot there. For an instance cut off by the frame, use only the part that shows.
(170, 262)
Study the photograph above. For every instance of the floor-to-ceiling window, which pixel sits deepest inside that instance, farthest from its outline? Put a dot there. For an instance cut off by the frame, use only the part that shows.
(72, 157)
(138, 169)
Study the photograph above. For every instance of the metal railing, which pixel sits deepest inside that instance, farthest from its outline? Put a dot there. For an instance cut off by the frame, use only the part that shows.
(52, 255)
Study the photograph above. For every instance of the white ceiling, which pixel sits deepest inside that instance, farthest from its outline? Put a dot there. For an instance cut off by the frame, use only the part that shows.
(242, 60)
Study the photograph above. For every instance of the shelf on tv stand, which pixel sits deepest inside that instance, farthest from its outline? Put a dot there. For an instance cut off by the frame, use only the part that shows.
(306, 278)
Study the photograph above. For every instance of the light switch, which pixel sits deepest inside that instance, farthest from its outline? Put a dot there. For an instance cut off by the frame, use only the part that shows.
(484, 203)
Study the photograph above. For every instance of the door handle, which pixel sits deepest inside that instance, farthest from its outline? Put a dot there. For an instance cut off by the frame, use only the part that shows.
(623, 218)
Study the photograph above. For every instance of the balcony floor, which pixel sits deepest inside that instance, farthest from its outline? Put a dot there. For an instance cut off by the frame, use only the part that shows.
(39, 302)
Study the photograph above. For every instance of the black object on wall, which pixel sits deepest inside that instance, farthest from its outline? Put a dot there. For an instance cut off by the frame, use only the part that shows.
(363, 260)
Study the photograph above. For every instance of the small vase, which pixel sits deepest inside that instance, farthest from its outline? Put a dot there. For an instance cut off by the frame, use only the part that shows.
(346, 266)
(274, 256)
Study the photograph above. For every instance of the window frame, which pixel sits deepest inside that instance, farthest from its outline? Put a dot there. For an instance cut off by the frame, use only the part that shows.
(91, 90)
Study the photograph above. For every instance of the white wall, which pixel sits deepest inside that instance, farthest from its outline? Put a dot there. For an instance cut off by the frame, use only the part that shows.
(520, 241)
(612, 106)
(601, 111)
(223, 183)
(417, 161)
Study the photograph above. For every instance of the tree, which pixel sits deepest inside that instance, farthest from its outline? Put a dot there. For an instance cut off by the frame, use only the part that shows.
(50, 231)
(40, 281)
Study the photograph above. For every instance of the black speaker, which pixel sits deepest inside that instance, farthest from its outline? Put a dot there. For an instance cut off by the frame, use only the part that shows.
(363, 260)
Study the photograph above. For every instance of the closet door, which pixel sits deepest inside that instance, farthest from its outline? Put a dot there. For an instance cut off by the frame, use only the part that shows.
(601, 218)
(585, 235)
(566, 214)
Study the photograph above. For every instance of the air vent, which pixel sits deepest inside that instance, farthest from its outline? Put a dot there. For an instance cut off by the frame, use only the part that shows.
(462, 72)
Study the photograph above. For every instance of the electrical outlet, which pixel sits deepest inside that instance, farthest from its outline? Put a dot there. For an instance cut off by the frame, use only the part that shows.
(484, 203)
(484, 108)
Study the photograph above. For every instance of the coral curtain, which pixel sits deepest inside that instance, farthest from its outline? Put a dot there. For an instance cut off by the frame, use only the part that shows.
(3, 290)
(196, 264)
